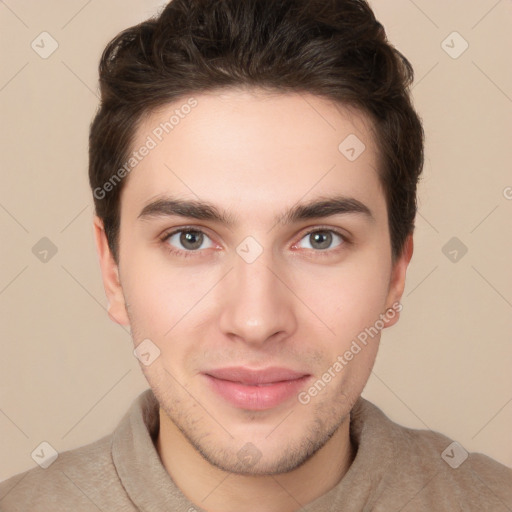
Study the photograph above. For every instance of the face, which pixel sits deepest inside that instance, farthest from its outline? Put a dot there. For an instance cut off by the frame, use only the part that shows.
(255, 262)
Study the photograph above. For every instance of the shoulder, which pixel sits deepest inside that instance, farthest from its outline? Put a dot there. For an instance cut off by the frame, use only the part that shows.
(451, 475)
(81, 479)
(429, 471)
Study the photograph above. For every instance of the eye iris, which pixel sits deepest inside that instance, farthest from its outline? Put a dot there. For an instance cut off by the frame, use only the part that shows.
(323, 239)
(191, 239)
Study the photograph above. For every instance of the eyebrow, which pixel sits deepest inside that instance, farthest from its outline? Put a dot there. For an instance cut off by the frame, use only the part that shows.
(201, 210)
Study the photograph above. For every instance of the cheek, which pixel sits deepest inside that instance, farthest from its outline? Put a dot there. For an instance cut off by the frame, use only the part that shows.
(162, 297)
(350, 301)
(348, 298)
(163, 302)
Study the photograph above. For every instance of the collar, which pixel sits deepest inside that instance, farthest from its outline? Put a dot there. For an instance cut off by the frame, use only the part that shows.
(137, 462)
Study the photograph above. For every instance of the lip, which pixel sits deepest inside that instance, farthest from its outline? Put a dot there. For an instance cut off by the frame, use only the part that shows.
(256, 390)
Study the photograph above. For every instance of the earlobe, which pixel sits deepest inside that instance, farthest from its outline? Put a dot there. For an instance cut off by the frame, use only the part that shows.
(397, 283)
(110, 276)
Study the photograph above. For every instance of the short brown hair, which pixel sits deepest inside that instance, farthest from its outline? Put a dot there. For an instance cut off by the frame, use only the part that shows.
(335, 49)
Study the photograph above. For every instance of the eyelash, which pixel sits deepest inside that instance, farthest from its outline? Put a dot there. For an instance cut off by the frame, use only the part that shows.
(188, 254)
(177, 252)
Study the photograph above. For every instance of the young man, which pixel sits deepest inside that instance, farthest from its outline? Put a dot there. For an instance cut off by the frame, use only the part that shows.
(254, 167)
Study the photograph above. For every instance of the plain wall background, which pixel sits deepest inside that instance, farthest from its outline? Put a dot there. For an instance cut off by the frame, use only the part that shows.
(68, 373)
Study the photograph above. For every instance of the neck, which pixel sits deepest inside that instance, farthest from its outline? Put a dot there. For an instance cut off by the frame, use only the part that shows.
(216, 490)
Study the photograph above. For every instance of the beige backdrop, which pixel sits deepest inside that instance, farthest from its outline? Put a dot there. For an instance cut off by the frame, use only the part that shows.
(67, 372)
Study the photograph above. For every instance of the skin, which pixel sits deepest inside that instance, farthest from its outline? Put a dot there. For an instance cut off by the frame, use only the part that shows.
(254, 155)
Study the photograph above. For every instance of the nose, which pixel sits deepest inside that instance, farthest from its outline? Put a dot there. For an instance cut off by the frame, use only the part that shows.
(257, 306)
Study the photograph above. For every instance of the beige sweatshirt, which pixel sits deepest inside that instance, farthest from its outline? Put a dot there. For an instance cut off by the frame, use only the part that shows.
(395, 469)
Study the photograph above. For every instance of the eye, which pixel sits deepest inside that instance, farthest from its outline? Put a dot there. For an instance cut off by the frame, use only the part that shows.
(188, 240)
(321, 240)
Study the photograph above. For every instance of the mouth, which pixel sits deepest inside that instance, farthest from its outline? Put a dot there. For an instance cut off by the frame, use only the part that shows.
(256, 390)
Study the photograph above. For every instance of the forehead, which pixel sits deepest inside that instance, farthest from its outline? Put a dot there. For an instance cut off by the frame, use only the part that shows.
(253, 149)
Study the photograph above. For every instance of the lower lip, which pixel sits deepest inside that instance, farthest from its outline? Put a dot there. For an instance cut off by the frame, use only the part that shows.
(256, 398)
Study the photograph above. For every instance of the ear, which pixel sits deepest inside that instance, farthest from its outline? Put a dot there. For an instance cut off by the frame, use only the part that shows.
(110, 275)
(397, 282)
